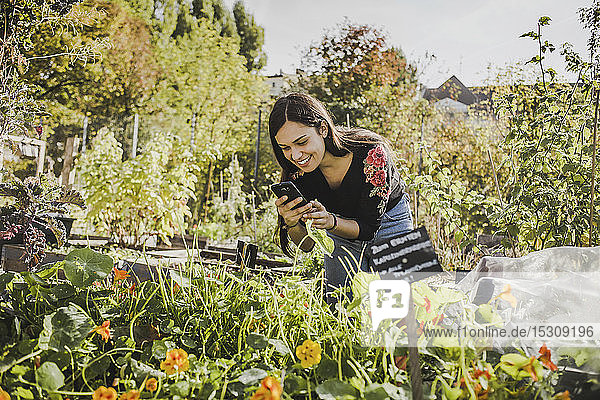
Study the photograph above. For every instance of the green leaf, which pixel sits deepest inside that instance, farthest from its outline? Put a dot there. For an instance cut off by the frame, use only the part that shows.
(376, 391)
(181, 388)
(257, 341)
(49, 376)
(63, 291)
(5, 279)
(320, 237)
(327, 368)
(294, 384)
(84, 266)
(280, 346)
(252, 376)
(67, 327)
(24, 393)
(334, 389)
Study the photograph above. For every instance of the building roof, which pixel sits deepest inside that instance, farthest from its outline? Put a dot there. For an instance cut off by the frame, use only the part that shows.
(454, 89)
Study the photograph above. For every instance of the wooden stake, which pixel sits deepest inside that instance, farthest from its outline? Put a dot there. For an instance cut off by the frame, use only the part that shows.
(416, 381)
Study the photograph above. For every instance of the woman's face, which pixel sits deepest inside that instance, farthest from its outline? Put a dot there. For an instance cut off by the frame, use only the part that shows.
(302, 145)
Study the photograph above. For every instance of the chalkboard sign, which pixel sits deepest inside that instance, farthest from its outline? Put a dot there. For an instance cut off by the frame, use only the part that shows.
(407, 256)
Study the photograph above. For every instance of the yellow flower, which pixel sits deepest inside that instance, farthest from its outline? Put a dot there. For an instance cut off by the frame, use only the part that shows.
(4, 395)
(176, 361)
(151, 384)
(309, 353)
(103, 330)
(104, 393)
(269, 389)
(506, 295)
(131, 395)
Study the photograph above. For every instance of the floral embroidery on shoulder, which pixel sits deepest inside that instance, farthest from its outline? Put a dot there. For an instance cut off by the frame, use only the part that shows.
(297, 174)
(376, 175)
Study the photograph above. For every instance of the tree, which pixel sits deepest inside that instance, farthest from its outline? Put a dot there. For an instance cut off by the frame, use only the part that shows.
(205, 80)
(251, 38)
(111, 86)
(349, 61)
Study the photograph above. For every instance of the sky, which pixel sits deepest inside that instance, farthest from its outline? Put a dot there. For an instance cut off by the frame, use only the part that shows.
(466, 37)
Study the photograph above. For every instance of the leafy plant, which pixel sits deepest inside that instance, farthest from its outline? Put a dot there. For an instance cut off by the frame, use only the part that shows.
(36, 204)
(142, 196)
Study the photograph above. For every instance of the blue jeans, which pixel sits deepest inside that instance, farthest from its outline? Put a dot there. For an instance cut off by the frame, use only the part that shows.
(348, 253)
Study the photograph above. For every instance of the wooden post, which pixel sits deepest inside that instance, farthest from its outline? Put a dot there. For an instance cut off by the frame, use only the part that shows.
(136, 126)
(257, 147)
(67, 161)
(416, 381)
(85, 129)
(41, 158)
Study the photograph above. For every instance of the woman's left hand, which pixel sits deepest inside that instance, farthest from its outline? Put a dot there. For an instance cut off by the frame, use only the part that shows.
(322, 218)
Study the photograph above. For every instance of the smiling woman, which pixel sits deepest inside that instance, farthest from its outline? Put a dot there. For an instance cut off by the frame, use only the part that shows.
(348, 174)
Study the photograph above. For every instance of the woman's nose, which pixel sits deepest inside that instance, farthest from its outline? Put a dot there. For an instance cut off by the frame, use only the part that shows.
(296, 154)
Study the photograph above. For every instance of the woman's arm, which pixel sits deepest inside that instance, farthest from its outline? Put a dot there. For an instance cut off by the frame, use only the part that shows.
(297, 233)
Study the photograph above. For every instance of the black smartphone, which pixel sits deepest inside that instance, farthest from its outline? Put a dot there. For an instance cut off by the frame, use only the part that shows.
(290, 190)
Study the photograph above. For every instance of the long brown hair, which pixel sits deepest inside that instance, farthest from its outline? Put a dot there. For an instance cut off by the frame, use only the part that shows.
(339, 141)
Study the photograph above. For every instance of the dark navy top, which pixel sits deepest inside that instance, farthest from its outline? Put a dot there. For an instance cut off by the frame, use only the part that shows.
(371, 186)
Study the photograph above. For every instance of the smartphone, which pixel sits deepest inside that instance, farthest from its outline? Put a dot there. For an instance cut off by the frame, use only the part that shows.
(290, 190)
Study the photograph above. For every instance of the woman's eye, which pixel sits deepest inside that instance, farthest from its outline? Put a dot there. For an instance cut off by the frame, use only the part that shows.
(303, 143)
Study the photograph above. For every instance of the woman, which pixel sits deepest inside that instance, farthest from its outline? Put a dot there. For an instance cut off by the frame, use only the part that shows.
(356, 191)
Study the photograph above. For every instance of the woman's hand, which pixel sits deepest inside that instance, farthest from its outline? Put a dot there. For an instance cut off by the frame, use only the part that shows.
(322, 218)
(291, 217)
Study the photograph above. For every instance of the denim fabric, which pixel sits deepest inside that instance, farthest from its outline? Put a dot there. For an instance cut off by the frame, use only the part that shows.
(350, 253)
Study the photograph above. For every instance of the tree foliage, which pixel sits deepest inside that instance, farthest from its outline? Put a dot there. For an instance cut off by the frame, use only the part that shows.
(349, 61)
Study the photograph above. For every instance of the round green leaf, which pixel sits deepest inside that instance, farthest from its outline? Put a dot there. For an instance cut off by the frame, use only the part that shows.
(334, 389)
(84, 266)
(49, 376)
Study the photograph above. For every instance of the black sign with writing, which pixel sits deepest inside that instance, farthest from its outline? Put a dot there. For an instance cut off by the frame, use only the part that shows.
(405, 256)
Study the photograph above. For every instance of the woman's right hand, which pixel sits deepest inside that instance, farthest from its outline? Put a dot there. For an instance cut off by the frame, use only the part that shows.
(291, 217)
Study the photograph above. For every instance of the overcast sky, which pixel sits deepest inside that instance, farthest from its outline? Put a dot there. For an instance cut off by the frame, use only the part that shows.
(464, 35)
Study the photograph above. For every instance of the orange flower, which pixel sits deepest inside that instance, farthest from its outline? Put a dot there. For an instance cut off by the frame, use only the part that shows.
(544, 357)
(427, 304)
(104, 393)
(562, 396)
(120, 274)
(151, 384)
(4, 395)
(130, 395)
(530, 369)
(176, 361)
(131, 289)
(506, 295)
(269, 389)
(103, 330)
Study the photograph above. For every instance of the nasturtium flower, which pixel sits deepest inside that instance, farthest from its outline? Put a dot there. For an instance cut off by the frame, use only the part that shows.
(103, 330)
(151, 384)
(104, 393)
(519, 366)
(544, 357)
(130, 395)
(176, 361)
(120, 274)
(507, 295)
(309, 353)
(270, 389)
(562, 396)
(4, 395)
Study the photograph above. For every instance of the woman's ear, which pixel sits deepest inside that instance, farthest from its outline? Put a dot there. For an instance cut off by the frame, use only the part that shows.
(323, 131)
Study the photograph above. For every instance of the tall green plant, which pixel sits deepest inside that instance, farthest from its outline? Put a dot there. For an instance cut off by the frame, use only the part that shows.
(550, 125)
(142, 196)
